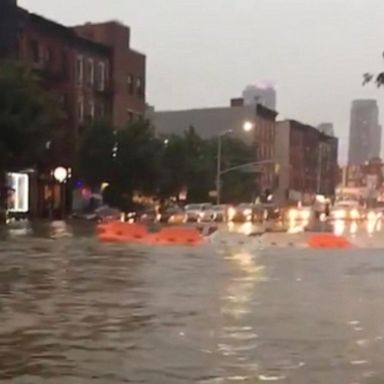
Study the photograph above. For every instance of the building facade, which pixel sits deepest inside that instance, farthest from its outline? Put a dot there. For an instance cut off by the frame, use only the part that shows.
(73, 70)
(369, 176)
(263, 93)
(365, 132)
(128, 69)
(211, 122)
(91, 69)
(326, 128)
(307, 161)
(93, 77)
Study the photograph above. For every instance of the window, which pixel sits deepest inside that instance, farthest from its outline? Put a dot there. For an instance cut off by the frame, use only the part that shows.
(131, 115)
(48, 55)
(80, 109)
(63, 100)
(90, 72)
(79, 69)
(64, 63)
(261, 152)
(35, 51)
(130, 84)
(101, 76)
(100, 111)
(140, 86)
(91, 110)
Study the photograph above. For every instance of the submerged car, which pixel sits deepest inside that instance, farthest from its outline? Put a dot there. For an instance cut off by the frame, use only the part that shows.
(348, 210)
(242, 213)
(219, 213)
(197, 212)
(173, 215)
(299, 214)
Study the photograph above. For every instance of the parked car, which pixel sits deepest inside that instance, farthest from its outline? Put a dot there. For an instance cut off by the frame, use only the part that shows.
(173, 215)
(348, 210)
(105, 213)
(299, 214)
(219, 213)
(270, 211)
(242, 213)
(197, 212)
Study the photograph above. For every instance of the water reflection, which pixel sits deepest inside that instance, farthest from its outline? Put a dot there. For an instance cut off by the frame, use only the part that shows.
(237, 338)
(339, 227)
(372, 225)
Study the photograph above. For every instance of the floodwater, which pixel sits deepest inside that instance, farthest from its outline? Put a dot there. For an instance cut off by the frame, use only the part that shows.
(76, 311)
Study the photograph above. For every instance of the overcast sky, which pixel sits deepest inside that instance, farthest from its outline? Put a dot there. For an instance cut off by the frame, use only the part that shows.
(203, 52)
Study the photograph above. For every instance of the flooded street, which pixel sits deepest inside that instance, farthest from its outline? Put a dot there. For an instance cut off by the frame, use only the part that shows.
(77, 311)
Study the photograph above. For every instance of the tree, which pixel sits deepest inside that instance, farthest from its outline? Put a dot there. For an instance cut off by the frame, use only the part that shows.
(377, 78)
(188, 163)
(95, 158)
(138, 159)
(27, 117)
(237, 186)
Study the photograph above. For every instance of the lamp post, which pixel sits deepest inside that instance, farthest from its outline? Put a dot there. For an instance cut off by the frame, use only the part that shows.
(61, 174)
(247, 127)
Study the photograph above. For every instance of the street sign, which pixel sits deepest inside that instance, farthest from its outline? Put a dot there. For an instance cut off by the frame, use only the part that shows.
(183, 194)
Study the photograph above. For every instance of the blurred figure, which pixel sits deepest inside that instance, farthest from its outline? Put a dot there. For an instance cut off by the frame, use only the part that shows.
(327, 210)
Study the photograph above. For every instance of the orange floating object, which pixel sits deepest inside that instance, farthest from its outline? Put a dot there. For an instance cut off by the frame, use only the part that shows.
(327, 240)
(178, 236)
(117, 231)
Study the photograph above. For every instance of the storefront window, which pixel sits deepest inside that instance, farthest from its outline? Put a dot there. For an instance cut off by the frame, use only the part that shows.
(18, 197)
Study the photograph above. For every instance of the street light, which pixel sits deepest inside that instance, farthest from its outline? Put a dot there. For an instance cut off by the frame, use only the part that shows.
(61, 174)
(247, 127)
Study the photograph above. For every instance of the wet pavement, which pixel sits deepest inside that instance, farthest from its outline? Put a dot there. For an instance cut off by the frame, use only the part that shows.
(73, 310)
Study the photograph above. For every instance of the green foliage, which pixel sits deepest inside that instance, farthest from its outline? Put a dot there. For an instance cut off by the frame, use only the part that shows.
(188, 163)
(27, 117)
(95, 156)
(377, 78)
(138, 159)
(129, 159)
(237, 186)
(146, 164)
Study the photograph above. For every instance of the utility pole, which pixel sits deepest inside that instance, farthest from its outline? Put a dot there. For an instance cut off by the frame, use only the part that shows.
(218, 173)
(319, 169)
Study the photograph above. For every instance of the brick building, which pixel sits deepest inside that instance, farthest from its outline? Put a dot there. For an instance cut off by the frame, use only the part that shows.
(75, 70)
(369, 175)
(91, 70)
(127, 66)
(307, 160)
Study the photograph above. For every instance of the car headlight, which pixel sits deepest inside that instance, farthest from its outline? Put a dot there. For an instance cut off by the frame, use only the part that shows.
(340, 214)
(371, 216)
(354, 214)
(293, 214)
(231, 213)
(305, 215)
(247, 212)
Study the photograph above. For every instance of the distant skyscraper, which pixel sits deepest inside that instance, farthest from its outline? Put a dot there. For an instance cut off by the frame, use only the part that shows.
(365, 132)
(326, 128)
(263, 93)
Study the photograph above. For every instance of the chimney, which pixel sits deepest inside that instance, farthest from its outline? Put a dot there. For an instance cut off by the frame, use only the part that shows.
(237, 102)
